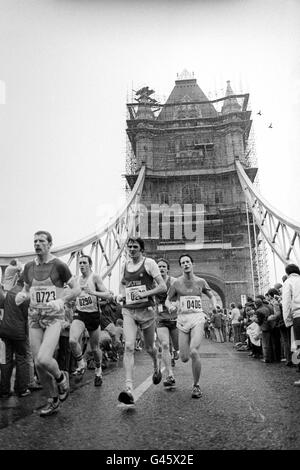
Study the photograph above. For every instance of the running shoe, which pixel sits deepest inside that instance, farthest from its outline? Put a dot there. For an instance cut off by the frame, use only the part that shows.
(79, 373)
(156, 377)
(25, 393)
(98, 380)
(64, 387)
(169, 382)
(196, 393)
(51, 408)
(126, 397)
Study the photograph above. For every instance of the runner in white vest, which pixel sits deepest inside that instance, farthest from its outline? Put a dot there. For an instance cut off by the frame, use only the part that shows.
(87, 315)
(187, 291)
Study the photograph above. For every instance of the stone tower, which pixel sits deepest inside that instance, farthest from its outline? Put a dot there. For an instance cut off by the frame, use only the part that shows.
(189, 145)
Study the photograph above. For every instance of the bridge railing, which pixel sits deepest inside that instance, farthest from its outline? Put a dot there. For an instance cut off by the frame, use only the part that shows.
(281, 233)
(105, 246)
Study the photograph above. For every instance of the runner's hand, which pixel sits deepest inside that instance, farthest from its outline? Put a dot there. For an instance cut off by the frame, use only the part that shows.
(21, 297)
(172, 308)
(120, 298)
(57, 305)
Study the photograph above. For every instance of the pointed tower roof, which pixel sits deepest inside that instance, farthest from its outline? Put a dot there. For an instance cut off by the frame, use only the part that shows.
(186, 90)
(231, 104)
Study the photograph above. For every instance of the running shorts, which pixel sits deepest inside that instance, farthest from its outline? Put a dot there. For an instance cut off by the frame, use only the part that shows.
(91, 320)
(187, 321)
(170, 324)
(144, 317)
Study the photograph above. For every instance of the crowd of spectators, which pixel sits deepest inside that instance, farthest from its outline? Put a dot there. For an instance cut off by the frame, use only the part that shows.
(267, 326)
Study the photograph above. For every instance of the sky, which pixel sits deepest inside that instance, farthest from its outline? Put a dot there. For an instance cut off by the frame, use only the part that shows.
(68, 67)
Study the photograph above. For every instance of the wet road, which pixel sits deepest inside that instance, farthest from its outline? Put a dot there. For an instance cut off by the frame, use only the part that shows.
(245, 405)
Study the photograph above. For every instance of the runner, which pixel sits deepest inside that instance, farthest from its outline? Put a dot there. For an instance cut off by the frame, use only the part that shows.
(166, 324)
(45, 278)
(87, 316)
(137, 291)
(187, 289)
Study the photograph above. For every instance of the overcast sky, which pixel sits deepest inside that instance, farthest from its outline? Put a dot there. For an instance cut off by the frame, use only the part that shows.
(68, 67)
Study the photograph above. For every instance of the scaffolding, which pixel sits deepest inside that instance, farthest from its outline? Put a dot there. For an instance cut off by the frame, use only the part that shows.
(189, 145)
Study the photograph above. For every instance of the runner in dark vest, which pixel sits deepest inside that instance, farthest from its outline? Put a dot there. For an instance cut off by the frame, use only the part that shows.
(166, 323)
(140, 281)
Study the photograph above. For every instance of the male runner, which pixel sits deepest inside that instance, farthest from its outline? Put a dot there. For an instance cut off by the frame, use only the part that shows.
(45, 278)
(187, 289)
(166, 323)
(137, 291)
(87, 316)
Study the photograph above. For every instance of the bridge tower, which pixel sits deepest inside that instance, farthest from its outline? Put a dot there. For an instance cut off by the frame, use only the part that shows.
(189, 146)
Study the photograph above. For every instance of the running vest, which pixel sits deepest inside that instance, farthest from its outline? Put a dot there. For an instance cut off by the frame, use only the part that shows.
(46, 283)
(139, 281)
(86, 302)
(162, 311)
(190, 300)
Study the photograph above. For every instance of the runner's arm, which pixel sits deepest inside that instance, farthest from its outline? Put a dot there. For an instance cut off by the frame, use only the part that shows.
(171, 301)
(101, 291)
(22, 295)
(73, 292)
(211, 296)
(160, 288)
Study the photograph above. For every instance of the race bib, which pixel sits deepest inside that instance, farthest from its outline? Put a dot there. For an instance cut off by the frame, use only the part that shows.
(130, 294)
(85, 301)
(41, 295)
(190, 303)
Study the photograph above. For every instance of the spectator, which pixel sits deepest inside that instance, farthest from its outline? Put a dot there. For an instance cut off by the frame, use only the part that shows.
(254, 335)
(243, 325)
(11, 274)
(216, 320)
(284, 332)
(224, 324)
(262, 313)
(273, 320)
(207, 327)
(14, 332)
(119, 337)
(291, 304)
(235, 322)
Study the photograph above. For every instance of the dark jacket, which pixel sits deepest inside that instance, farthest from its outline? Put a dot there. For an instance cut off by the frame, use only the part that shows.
(14, 324)
(216, 320)
(262, 315)
(110, 312)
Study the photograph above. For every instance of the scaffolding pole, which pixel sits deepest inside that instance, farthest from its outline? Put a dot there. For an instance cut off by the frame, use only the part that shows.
(257, 260)
(250, 250)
